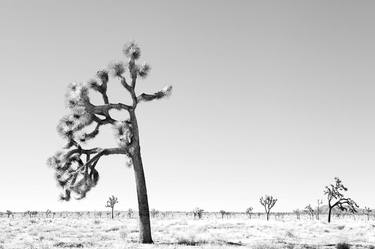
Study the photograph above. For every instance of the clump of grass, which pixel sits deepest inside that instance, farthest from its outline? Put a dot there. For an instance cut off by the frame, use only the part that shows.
(113, 229)
(123, 235)
(340, 227)
(342, 246)
(264, 246)
(190, 242)
(68, 245)
(290, 234)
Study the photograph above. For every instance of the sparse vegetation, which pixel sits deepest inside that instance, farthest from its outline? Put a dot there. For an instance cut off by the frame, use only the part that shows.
(177, 231)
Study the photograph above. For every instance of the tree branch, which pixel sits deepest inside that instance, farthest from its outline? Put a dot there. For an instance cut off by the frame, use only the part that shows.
(158, 95)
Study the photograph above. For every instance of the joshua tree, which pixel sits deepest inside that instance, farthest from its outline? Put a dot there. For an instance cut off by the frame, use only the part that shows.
(310, 211)
(48, 213)
(9, 213)
(75, 167)
(336, 198)
(297, 213)
(367, 212)
(320, 202)
(154, 213)
(130, 213)
(249, 211)
(112, 201)
(223, 213)
(268, 202)
(198, 212)
(100, 214)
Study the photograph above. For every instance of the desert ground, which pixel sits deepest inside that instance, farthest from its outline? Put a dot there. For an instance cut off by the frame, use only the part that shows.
(90, 231)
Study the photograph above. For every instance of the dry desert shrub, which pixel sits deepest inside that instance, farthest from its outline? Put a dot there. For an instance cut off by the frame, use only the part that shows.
(343, 246)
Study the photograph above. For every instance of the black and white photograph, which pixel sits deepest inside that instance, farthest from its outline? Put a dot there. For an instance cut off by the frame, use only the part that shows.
(177, 124)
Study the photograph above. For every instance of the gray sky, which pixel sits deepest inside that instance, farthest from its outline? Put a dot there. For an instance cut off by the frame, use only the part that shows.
(270, 97)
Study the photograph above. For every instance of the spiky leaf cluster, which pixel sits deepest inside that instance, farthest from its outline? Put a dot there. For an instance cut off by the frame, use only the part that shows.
(73, 173)
(132, 50)
(123, 133)
(117, 69)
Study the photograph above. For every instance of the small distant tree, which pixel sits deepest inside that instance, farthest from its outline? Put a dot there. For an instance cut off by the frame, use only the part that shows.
(29, 213)
(112, 201)
(76, 166)
(268, 202)
(198, 213)
(249, 212)
(9, 213)
(310, 211)
(367, 212)
(320, 202)
(48, 213)
(223, 213)
(130, 213)
(336, 198)
(297, 212)
(154, 213)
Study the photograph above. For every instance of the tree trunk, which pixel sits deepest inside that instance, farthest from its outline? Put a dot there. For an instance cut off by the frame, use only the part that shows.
(143, 209)
(112, 213)
(329, 214)
(268, 216)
